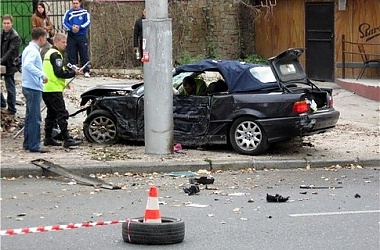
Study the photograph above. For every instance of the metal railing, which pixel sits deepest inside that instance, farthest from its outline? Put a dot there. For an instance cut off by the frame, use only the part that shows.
(345, 52)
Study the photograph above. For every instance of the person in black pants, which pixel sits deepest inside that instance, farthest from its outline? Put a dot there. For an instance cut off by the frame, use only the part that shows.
(53, 93)
(76, 22)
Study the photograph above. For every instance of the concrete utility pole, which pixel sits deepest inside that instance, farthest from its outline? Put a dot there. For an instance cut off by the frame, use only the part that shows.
(157, 57)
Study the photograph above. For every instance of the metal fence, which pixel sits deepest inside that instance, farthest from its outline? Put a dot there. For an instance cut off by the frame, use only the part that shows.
(22, 11)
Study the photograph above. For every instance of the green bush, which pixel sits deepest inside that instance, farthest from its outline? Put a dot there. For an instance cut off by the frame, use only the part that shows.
(187, 58)
(256, 59)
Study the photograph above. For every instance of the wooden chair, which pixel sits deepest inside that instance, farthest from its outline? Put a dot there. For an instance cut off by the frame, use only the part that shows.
(366, 61)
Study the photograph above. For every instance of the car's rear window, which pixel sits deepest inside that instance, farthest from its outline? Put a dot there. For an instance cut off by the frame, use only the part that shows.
(264, 74)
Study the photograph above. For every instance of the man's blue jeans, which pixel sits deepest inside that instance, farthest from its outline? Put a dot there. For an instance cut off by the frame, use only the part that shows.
(11, 93)
(32, 126)
(3, 102)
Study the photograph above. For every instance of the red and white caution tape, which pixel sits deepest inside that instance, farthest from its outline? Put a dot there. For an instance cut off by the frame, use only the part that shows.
(43, 229)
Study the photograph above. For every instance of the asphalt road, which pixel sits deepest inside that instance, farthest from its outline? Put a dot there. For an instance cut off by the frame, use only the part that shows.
(237, 215)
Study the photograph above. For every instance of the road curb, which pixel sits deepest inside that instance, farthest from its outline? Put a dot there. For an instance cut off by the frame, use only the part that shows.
(160, 167)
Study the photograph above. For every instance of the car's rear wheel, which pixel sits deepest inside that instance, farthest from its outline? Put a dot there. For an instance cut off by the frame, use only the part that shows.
(100, 127)
(247, 137)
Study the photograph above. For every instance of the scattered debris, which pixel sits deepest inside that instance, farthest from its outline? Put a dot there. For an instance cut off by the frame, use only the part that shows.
(238, 194)
(319, 187)
(196, 205)
(277, 198)
(182, 174)
(193, 189)
(177, 148)
(357, 196)
(236, 210)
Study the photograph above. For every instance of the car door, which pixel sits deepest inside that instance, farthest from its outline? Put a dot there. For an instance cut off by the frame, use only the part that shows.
(191, 116)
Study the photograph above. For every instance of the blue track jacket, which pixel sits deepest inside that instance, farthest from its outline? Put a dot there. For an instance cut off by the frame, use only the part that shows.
(76, 17)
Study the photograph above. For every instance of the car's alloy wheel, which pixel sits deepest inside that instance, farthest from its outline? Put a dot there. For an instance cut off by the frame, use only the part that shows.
(170, 231)
(100, 127)
(247, 137)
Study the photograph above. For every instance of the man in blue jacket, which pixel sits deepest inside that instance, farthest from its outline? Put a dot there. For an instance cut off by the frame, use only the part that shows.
(33, 80)
(76, 22)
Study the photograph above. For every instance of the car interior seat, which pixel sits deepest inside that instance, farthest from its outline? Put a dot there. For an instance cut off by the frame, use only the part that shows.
(218, 86)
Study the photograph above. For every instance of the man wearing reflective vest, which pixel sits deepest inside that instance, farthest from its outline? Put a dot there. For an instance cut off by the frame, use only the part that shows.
(53, 93)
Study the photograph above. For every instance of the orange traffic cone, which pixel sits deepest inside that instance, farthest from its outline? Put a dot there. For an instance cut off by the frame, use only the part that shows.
(152, 212)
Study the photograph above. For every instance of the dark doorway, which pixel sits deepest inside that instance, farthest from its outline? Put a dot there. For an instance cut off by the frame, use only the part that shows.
(319, 25)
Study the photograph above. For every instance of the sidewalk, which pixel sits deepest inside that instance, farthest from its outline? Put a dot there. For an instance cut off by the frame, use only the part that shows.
(355, 140)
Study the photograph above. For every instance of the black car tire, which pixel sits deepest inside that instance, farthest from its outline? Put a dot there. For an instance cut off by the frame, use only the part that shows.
(247, 137)
(170, 231)
(100, 127)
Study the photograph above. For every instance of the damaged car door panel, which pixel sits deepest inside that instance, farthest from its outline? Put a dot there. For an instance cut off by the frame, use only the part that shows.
(263, 104)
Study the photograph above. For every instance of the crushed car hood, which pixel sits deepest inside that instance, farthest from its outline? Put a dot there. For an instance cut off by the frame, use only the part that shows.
(111, 86)
(287, 68)
(102, 90)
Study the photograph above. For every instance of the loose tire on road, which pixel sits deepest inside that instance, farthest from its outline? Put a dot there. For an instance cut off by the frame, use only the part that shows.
(247, 137)
(170, 231)
(100, 127)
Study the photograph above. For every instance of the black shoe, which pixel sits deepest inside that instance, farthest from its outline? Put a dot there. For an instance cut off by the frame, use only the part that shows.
(194, 189)
(41, 150)
(51, 142)
(70, 142)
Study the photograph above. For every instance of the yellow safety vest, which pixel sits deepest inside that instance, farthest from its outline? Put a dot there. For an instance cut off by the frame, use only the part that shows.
(54, 84)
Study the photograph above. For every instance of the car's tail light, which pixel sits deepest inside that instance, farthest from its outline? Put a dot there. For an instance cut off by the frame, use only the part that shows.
(301, 107)
(331, 102)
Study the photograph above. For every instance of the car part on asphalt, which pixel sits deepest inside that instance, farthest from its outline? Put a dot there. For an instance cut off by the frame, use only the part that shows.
(205, 180)
(193, 189)
(79, 178)
(170, 231)
(319, 187)
(276, 198)
(100, 126)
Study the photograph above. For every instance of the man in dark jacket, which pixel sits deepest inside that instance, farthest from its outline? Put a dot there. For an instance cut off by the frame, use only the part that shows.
(10, 45)
(138, 34)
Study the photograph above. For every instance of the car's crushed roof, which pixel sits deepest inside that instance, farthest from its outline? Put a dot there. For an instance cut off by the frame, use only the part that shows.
(236, 74)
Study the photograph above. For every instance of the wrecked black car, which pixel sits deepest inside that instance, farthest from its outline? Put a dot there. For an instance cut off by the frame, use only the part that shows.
(247, 105)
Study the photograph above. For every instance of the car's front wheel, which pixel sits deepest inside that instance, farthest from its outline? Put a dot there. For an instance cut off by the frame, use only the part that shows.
(247, 137)
(100, 127)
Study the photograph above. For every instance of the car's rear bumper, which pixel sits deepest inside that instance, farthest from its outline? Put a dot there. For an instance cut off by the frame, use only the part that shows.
(278, 129)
